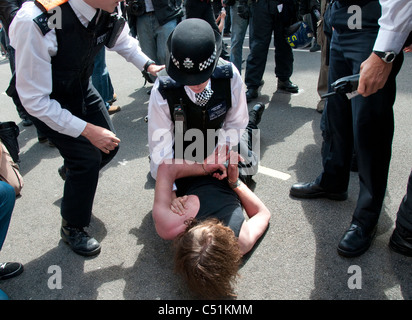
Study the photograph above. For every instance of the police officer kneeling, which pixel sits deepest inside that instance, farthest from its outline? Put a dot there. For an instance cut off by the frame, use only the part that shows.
(199, 92)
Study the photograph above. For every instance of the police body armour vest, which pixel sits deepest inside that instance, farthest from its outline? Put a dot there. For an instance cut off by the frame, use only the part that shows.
(73, 64)
(210, 116)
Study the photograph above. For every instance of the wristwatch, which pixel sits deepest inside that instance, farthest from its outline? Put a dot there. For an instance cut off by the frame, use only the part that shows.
(148, 64)
(387, 56)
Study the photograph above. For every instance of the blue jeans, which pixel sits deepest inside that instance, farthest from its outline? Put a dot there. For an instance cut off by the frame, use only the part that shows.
(239, 27)
(152, 36)
(7, 200)
(101, 77)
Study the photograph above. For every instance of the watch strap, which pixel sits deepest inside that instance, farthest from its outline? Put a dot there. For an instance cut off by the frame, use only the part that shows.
(386, 56)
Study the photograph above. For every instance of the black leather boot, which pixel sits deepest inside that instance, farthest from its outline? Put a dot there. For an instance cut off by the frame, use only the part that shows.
(288, 86)
(311, 190)
(251, 94)
(255, 115)
(79, 241)
(355, 241)
(401, 241)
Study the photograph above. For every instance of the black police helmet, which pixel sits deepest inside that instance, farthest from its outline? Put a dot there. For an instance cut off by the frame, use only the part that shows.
(193, 50)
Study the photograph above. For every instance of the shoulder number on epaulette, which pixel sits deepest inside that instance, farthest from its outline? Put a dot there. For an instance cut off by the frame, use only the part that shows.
(47, 6)
(167, 83)
(42, 22)
(224, 71)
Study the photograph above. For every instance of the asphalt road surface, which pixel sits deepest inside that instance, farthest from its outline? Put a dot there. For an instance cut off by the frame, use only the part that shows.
(295, 260)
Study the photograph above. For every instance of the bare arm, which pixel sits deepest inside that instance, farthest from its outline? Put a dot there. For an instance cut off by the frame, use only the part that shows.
(258, 222)
(169, 224)
(256, 210)
(220, 21)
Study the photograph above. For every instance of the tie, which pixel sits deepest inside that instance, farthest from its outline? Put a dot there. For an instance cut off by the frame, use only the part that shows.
(93, 22)
(203, 97)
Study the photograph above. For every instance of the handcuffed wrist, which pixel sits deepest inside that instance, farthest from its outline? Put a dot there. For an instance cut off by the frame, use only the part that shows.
(234, 184)
(206, 172)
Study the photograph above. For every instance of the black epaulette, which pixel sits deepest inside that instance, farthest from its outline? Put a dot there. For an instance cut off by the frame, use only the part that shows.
(166, 83)
(46, 6)
(223, 70)
(42, 22)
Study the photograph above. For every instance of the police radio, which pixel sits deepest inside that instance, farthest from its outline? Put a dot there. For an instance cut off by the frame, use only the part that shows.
(179, 117)
(117, 23)
(346, 85)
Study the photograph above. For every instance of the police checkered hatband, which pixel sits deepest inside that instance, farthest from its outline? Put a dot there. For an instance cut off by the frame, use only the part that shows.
(189, 64)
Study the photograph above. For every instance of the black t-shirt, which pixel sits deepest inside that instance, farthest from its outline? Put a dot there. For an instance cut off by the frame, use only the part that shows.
(217, 200)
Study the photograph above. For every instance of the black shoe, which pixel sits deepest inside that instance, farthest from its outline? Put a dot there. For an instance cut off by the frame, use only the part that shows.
(42, 139)
(79, 241)
(251, 94)
(401, 241)
(355, 241)
(255, 115)
(315, 47)
(312, 190)
(288, 86)
(26, 122)
(10, 269)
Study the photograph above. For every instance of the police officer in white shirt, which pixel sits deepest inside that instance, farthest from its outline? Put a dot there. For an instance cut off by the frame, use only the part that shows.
(193, 70)
(362, 125)
(54, 62)
(395, 26)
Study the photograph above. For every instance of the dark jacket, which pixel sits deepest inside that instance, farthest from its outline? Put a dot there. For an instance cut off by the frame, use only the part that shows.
(164, 10)
(8, 9)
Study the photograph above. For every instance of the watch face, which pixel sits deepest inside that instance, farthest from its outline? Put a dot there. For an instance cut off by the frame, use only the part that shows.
(390, 57)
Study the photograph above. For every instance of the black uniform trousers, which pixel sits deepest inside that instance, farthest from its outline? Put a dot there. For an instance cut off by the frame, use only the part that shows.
(265, 20)
(361, 125)
(82, 160)
(201, 10)
(204, 10)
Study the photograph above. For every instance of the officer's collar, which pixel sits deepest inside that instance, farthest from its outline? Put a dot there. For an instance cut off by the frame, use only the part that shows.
(192, 94)
(79, 6)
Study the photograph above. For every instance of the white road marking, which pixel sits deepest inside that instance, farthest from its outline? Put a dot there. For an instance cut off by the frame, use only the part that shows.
(273, 173)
